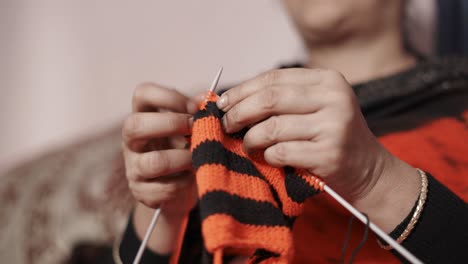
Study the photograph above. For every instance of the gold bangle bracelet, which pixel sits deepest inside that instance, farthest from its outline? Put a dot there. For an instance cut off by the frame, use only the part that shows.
(416, 214)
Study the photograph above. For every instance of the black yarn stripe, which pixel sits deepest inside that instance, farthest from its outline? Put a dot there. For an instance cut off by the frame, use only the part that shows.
(263, 254)
(213, 152)
(244, 210)
(276, 197)
(210, 110)
(296, 187)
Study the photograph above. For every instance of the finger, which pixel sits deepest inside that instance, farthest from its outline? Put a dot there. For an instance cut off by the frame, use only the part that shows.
(281, 128)
(154, 193)
(150, 97)
(194, 102)
(273, 100)
(141, 126)
(129, 158)
(298, 154)
(274, 77)
(154, 164)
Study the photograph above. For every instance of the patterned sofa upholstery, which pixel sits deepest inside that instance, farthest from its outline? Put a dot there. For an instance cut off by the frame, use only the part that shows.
(74, 195)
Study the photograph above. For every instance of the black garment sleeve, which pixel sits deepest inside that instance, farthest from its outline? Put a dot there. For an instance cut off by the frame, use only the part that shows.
(129, 248)
(441, 234)
(192, 250)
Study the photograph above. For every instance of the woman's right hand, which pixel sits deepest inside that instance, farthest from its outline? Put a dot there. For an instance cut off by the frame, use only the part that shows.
(158, 167)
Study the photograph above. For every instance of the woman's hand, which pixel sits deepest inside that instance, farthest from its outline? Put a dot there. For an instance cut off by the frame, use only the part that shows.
(311, 119)
(158, 167)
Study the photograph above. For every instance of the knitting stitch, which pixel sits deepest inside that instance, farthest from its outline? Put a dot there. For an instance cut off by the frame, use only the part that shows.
(247, 207)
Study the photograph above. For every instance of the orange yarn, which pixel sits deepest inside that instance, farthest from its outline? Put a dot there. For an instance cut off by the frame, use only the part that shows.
(247, 207)
(229, 229)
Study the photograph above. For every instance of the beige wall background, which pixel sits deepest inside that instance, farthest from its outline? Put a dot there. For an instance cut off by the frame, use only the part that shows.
(68, 68)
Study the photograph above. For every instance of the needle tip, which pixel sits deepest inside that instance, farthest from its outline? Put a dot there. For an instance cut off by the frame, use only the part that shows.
(216, 80)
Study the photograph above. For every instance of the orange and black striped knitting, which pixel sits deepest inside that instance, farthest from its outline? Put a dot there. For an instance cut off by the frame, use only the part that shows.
(247, 207)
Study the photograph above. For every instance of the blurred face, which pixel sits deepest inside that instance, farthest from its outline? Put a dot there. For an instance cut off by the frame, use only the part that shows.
(332, 20)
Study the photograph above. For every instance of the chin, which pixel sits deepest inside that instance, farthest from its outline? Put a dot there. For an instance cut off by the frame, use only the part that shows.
(326, 18)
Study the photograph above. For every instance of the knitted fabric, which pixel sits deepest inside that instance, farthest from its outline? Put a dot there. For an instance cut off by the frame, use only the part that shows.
(247, 207)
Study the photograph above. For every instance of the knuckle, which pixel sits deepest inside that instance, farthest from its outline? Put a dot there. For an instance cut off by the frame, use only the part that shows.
(301, 91)
(270, 99)
(171, 190)
(233, 117)
(143, 163)
(152, 203)
(156, 163)
(132, 187)
(123, 148)
(273, 129)
(335, 79)
(132, 125)
(278, 154)
(271, 77)
(177, 121)
(129, 171)
(342, 99)
(234, 94)
(334, 75)
(150, 197)
(140, 91)
(138, 194)
(131, 176)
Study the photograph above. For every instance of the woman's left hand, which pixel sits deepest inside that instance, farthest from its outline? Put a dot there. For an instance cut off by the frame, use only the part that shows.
(309, 118)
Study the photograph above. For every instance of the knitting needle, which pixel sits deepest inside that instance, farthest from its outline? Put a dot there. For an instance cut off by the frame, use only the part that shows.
(399, 248)
(403, 251)
(152, 224)
(214, 85)
(147, 236)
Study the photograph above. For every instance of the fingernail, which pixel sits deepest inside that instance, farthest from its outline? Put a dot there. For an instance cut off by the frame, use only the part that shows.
(222, 101)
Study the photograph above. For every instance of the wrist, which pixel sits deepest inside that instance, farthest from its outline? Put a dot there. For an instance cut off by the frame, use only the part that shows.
(393, 194)
(142, 216)
(165, 234)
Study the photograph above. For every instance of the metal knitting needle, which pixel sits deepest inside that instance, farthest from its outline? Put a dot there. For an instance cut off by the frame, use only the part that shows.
(147, 236)
(399, 248)
(403, 251)
(152, 224)
(214, 85)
